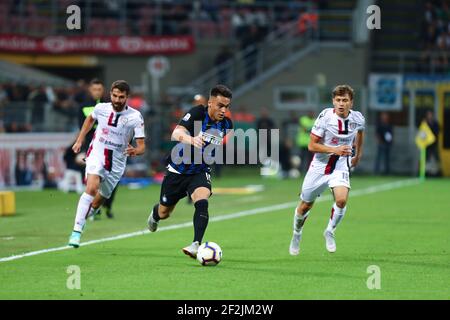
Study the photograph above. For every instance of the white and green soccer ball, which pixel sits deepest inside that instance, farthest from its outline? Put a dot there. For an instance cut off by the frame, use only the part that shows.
(209, 254)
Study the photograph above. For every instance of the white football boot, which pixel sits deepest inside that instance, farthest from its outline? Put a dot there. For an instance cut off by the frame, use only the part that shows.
(330, 241)
(294, 248)
(152, 223)
(75, 238)
(191, 250)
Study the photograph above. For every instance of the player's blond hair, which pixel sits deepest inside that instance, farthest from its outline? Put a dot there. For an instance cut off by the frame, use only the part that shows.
(342, 90)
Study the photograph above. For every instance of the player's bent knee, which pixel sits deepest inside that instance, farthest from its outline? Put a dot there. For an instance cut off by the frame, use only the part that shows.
(164, 212)
(92, 191)
(201, 194)
(341, 203)
(305, 206)
(202, 205)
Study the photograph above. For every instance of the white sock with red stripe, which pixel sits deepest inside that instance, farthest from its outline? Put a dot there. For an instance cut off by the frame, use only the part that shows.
(84, 209)
(337, 214)
(299, 221)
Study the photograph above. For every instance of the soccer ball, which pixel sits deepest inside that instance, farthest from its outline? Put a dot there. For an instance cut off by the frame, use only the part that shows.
(209, 254)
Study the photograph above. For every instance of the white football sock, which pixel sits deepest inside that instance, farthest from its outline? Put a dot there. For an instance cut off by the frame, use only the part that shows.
(337, 214)
(299, 221)
(84, 209)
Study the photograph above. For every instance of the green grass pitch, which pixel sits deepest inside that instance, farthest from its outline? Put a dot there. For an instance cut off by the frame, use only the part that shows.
(405, 231)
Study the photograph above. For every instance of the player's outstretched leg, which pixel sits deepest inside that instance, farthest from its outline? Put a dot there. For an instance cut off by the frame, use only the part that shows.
(201, 218)
(84, 209)
(153, 219)
(337, 214)
(299, 221)
(108, 204)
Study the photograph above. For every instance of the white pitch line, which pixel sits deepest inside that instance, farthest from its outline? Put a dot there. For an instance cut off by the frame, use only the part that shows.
(355, 193)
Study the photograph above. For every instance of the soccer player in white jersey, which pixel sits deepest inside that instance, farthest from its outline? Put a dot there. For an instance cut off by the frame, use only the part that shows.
(336, 131)
(107, 155)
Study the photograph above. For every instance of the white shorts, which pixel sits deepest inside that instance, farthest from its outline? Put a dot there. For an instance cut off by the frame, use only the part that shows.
(315, 183)
(109, 179)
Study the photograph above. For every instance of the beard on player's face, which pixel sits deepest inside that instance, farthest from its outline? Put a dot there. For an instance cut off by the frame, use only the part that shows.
(118, 105)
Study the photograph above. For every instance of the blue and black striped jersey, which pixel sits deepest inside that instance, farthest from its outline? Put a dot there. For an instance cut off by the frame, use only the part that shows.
(186, 159)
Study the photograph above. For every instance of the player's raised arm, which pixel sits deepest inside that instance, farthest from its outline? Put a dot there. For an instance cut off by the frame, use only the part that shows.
(87, 126)
(316, 146)
(181, 134)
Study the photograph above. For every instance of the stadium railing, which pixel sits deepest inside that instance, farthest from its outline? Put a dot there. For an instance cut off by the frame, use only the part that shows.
(428, 62)
(252, 61)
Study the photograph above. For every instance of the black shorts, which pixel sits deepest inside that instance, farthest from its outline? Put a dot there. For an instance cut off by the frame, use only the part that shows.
(177, 186)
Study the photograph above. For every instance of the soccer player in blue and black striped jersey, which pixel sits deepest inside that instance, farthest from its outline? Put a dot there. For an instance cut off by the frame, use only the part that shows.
(200, 134)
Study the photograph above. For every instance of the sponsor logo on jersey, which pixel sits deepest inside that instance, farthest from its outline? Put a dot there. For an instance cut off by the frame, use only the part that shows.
(207, 137)
(105, 131)
(116, 133)
(112, 144)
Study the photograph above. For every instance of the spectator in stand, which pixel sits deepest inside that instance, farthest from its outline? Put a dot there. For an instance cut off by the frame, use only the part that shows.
(432, 151)
(238, 24)
(224, 70)
(64, 103)
(3, 96)
(38, 99)
(385, 137)
(73, 175)
(249, 43)
(265, 122)
(23, 173)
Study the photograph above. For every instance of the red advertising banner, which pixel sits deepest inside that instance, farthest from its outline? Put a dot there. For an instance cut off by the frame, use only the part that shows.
(97, 44)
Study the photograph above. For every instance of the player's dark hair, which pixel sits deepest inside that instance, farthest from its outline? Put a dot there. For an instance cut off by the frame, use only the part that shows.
(121, 85)
(221, 90)
(95, 81)
(342, 90)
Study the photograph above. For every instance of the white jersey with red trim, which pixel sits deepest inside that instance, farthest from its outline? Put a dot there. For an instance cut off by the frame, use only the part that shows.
(335, 131)
(114, 131)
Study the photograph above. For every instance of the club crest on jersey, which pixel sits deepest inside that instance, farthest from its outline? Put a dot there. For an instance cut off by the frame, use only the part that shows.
(123, 121)
(353, 125)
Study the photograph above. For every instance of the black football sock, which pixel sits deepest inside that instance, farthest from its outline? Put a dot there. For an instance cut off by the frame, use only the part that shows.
(155, 213)
(201, 218)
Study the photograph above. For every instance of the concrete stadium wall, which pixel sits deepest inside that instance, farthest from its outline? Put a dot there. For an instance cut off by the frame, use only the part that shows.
(338, 65)
(183, 68)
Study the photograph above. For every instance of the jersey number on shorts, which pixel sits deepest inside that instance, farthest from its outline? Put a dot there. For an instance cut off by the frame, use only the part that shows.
(345, 176)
